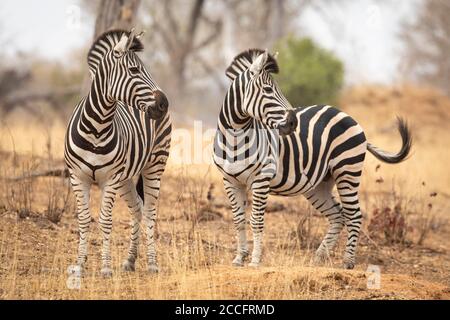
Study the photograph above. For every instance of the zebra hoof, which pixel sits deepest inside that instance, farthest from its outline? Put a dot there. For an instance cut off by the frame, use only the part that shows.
(238, 262)
(349, 265)
(128, 266)
(106, 272)
(75, 270)
(153, 269)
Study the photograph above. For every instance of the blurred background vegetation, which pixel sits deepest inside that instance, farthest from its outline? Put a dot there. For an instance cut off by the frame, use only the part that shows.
(315, 75)
(190, 43)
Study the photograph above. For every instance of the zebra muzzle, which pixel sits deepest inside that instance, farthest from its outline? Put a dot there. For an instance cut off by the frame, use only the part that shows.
(289, 125)
(161, 106)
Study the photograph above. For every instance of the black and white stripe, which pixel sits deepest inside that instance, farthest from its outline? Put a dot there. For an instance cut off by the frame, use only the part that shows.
(264, 145)
(119, 132)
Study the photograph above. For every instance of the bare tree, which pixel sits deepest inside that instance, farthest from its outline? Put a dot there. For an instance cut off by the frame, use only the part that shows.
(200, 37)
(261, 23)
(183, 37)
(427, 45)
(16, 86)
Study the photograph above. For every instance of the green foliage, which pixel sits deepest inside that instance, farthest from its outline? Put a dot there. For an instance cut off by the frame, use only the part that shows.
(308, 74)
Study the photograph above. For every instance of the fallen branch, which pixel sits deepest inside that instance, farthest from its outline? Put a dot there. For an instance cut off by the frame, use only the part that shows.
(62, 173)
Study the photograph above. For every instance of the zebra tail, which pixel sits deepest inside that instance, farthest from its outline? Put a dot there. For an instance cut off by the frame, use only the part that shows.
(388, 157)
(140, 188)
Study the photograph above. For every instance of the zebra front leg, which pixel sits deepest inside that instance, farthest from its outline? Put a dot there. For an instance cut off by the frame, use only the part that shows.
(81, 191)
(105, 221)
(134, 203)
(151, 195)
(238, 199)
(260, 193)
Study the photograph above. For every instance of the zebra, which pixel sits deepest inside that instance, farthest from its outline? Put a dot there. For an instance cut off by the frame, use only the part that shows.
(265, 146)
(118, 133)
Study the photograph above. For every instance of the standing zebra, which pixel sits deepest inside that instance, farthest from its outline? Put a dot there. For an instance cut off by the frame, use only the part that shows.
(120, 131)
(264, 145)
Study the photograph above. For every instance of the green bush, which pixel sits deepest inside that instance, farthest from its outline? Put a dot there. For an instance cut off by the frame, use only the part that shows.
(308, 74)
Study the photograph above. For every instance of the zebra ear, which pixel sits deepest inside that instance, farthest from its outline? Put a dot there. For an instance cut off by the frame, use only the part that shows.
(121, 46)
(130, 39)
(259, 63)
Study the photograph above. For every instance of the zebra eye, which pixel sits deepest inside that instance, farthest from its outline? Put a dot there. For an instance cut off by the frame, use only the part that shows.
(134, 71)
(268, 89)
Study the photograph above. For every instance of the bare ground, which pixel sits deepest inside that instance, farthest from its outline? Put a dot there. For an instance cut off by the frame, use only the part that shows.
(196, 246)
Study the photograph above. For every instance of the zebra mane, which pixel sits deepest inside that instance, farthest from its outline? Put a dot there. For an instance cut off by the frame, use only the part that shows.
(245, 59)
(105, 43)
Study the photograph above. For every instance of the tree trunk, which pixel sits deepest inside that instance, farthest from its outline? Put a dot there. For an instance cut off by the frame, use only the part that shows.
(178, 74)
(230, 42)
(187, 47)
(116, 14)
(278, 21)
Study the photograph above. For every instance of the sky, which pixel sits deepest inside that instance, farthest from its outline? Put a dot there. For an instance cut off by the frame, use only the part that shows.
(50, 28)
(363, 33)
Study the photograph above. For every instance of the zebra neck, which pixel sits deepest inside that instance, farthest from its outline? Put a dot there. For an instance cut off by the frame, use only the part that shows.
(232, 116)
(97, 114)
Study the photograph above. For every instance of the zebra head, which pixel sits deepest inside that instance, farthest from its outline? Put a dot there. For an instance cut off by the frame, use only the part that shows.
(126, 78)
(262, 98)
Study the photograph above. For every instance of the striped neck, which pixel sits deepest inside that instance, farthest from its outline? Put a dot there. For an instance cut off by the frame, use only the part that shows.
(232, 115)
(96, 119)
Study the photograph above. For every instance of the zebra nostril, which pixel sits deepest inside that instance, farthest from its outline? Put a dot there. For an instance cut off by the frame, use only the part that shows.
(162, 104)
(160, 107)
(163, 107)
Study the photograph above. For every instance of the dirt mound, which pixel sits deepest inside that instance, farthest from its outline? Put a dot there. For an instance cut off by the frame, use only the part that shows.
(307, 283)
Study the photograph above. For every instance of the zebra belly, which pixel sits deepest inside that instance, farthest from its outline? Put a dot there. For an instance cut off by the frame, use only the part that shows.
(294, 184)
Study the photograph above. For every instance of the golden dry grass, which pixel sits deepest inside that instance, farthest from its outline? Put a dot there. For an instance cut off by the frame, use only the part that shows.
(196, 236)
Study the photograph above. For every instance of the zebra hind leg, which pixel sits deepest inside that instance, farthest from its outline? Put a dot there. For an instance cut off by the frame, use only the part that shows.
(238, 198)
(322, 199)
(134, 203)
(347, 185)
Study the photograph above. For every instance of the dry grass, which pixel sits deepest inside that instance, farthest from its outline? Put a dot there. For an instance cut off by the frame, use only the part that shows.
(195, 231)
